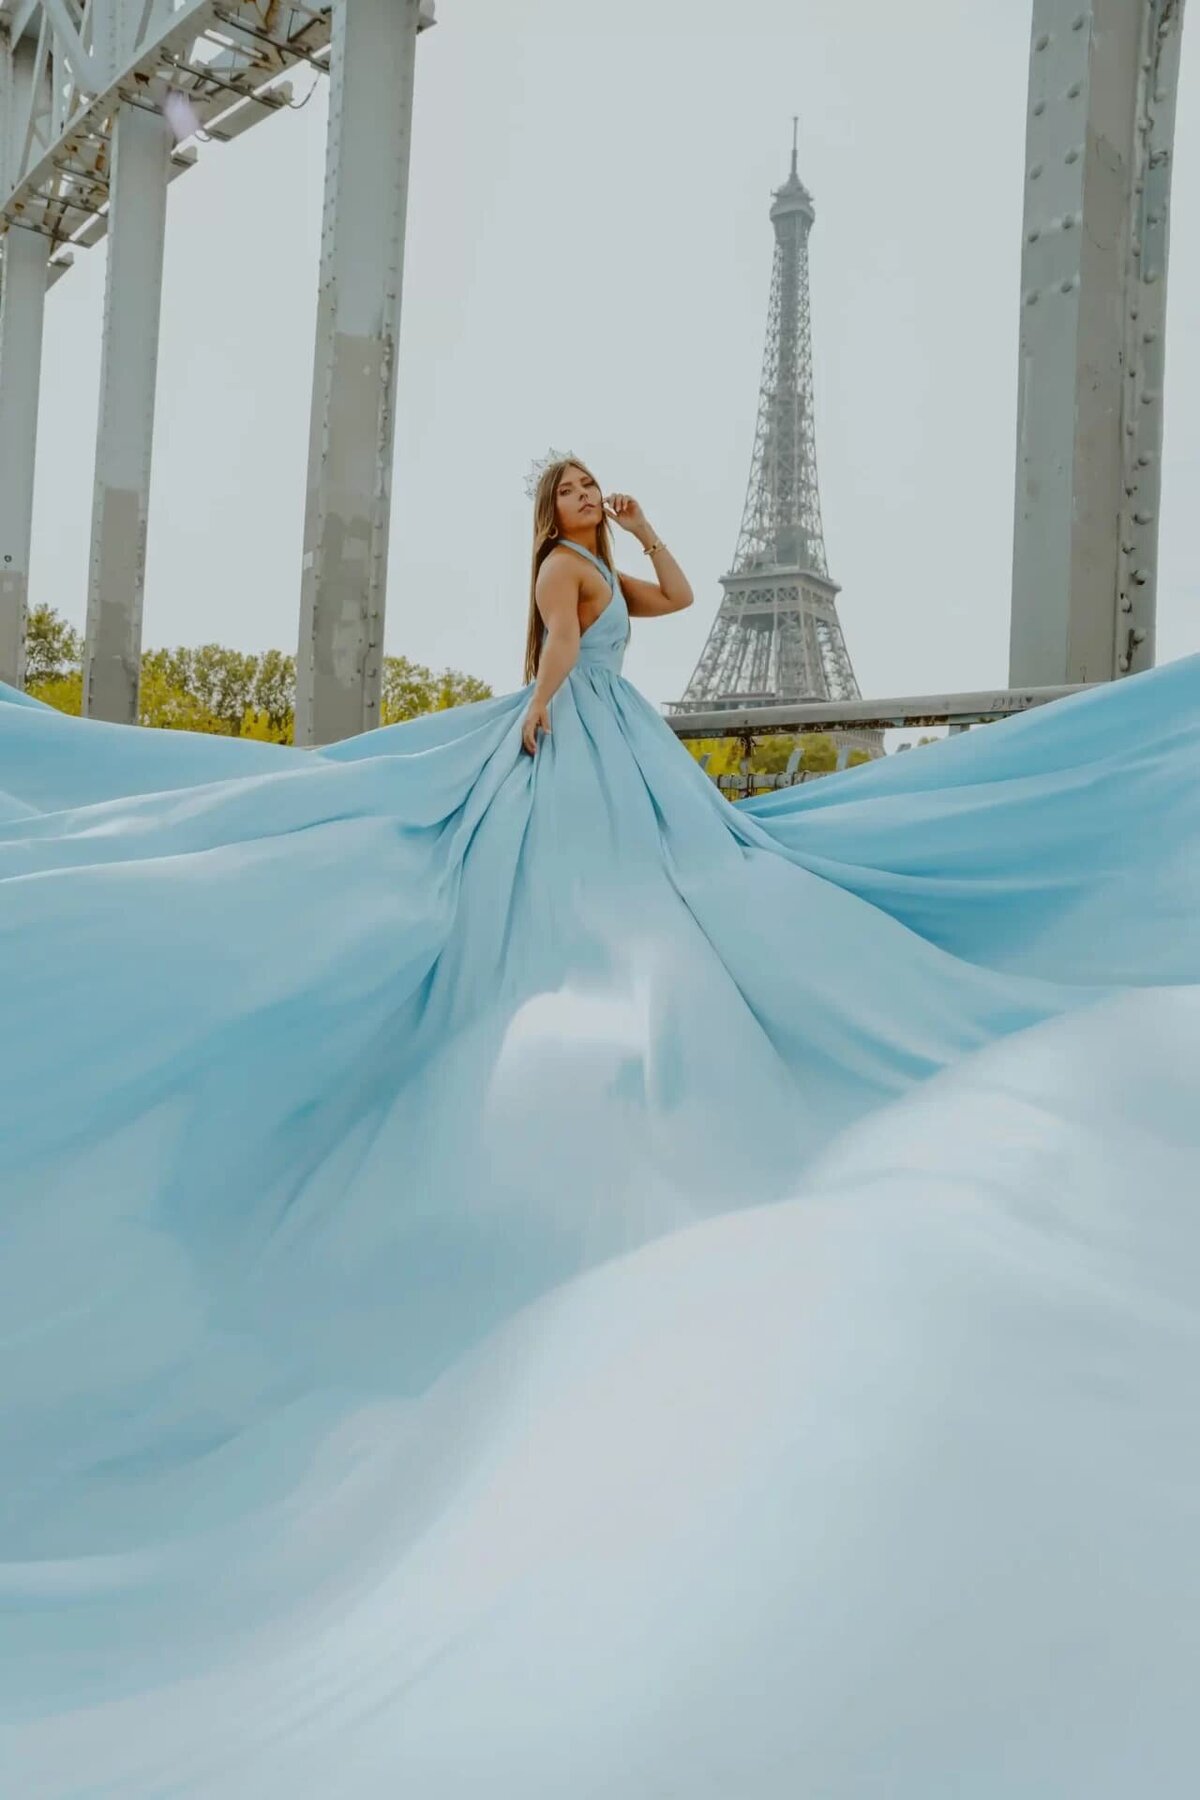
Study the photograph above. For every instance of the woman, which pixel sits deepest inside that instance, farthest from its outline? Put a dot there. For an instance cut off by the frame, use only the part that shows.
(522, 1277)
(567, 599)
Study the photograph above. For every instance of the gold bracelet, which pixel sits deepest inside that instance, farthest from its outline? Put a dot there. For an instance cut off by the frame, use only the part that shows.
(656, 545)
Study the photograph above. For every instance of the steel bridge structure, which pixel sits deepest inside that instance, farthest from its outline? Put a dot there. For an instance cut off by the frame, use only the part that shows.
(94, 98)
(98, 102)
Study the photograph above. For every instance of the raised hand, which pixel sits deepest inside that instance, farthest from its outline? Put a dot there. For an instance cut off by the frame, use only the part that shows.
(624, 510)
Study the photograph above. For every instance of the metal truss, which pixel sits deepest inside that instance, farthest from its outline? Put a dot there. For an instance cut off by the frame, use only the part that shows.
(226, 62)
(781, 520)
(96, 98)
(777, 635)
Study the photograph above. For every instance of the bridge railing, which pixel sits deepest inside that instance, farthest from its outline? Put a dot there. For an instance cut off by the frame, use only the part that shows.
(958, 712)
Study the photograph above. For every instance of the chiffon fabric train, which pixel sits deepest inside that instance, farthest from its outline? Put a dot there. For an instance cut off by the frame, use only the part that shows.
(521, 1278)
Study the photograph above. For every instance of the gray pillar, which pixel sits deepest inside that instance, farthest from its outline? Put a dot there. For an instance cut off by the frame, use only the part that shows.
(1103, 76)
(24, 255)
(22, 309)
(129, 366)
(340, 656)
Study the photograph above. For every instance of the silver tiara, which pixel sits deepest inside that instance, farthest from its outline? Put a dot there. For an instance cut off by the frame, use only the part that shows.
(538, 467)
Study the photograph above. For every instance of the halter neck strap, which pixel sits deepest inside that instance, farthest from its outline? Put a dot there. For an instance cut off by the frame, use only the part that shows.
(592, 558)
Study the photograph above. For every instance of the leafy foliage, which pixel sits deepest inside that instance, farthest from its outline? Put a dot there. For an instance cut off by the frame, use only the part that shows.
(53, 649)
(770, 755)
(410, 688)
(232, 693)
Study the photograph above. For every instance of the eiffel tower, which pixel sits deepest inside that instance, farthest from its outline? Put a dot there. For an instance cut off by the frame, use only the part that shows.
(777, 635)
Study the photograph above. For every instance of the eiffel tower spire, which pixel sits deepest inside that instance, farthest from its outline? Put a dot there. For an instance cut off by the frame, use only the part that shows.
(777, 635)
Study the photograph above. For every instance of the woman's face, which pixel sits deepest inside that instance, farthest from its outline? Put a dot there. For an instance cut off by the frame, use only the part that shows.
(577, 500)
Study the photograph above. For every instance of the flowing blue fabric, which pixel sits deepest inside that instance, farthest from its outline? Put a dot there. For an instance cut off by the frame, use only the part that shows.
(522, 1278)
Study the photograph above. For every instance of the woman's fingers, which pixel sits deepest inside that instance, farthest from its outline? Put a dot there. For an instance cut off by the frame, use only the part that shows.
(534, 722)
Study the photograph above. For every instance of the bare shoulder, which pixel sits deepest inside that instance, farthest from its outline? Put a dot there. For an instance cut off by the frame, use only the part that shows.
(558, 588)
(560, 568)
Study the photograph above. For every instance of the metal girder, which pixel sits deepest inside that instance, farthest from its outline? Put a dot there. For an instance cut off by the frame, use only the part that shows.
(128, 368)
(224, 59)
(1102, 87)
(22, 311)
(868, 715)
(88, 90)
(22, 308)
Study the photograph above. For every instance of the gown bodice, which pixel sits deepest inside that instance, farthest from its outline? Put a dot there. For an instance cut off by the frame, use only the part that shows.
(602, 645)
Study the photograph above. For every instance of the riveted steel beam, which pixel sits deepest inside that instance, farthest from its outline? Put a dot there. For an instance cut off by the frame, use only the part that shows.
(129, 364)
(344, 569)
(24, 278)
(1102, 89)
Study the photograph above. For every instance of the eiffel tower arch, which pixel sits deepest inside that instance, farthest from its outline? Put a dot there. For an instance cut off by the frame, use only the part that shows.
(777, 635)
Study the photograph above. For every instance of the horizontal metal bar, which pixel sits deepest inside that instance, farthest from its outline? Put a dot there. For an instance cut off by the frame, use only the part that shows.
(251, 112)
(749, 784)
(866, 715)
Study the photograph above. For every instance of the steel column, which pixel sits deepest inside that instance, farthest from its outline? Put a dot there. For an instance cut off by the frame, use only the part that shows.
(22, 307)
(24, 256)
(1103, 76)
(340, 657)
(129, 366)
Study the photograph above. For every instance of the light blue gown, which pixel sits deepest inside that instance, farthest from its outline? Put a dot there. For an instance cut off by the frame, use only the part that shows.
(521, 1278)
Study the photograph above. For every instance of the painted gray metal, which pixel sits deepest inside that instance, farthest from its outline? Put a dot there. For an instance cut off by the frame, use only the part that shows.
(128, 368)
(22, 310)
(220, 55)
(83, 91)
(1102, 90)
(1100, 130)
(867, 715)
(777, 634)
(339, 663)
(87, 152)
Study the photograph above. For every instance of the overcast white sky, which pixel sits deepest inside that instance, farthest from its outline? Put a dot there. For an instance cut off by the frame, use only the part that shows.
(588, 264)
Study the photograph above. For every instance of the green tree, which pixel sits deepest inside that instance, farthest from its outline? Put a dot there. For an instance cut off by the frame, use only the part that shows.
(165, 706)
(219, 683)
(231, 693)
(818, 754)
(410, 688)
(273, 695)
(63, 692)
(53, 649)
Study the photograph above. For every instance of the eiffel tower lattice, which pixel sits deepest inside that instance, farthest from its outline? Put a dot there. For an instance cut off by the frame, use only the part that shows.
(777, 635)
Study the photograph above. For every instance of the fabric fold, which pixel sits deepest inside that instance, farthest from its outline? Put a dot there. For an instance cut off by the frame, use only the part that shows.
(503, 1254)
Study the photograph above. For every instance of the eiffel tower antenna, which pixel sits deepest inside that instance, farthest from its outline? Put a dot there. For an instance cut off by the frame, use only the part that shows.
(777, 635)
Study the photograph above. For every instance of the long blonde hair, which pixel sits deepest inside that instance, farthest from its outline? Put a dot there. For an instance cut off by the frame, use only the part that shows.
(545, 536)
